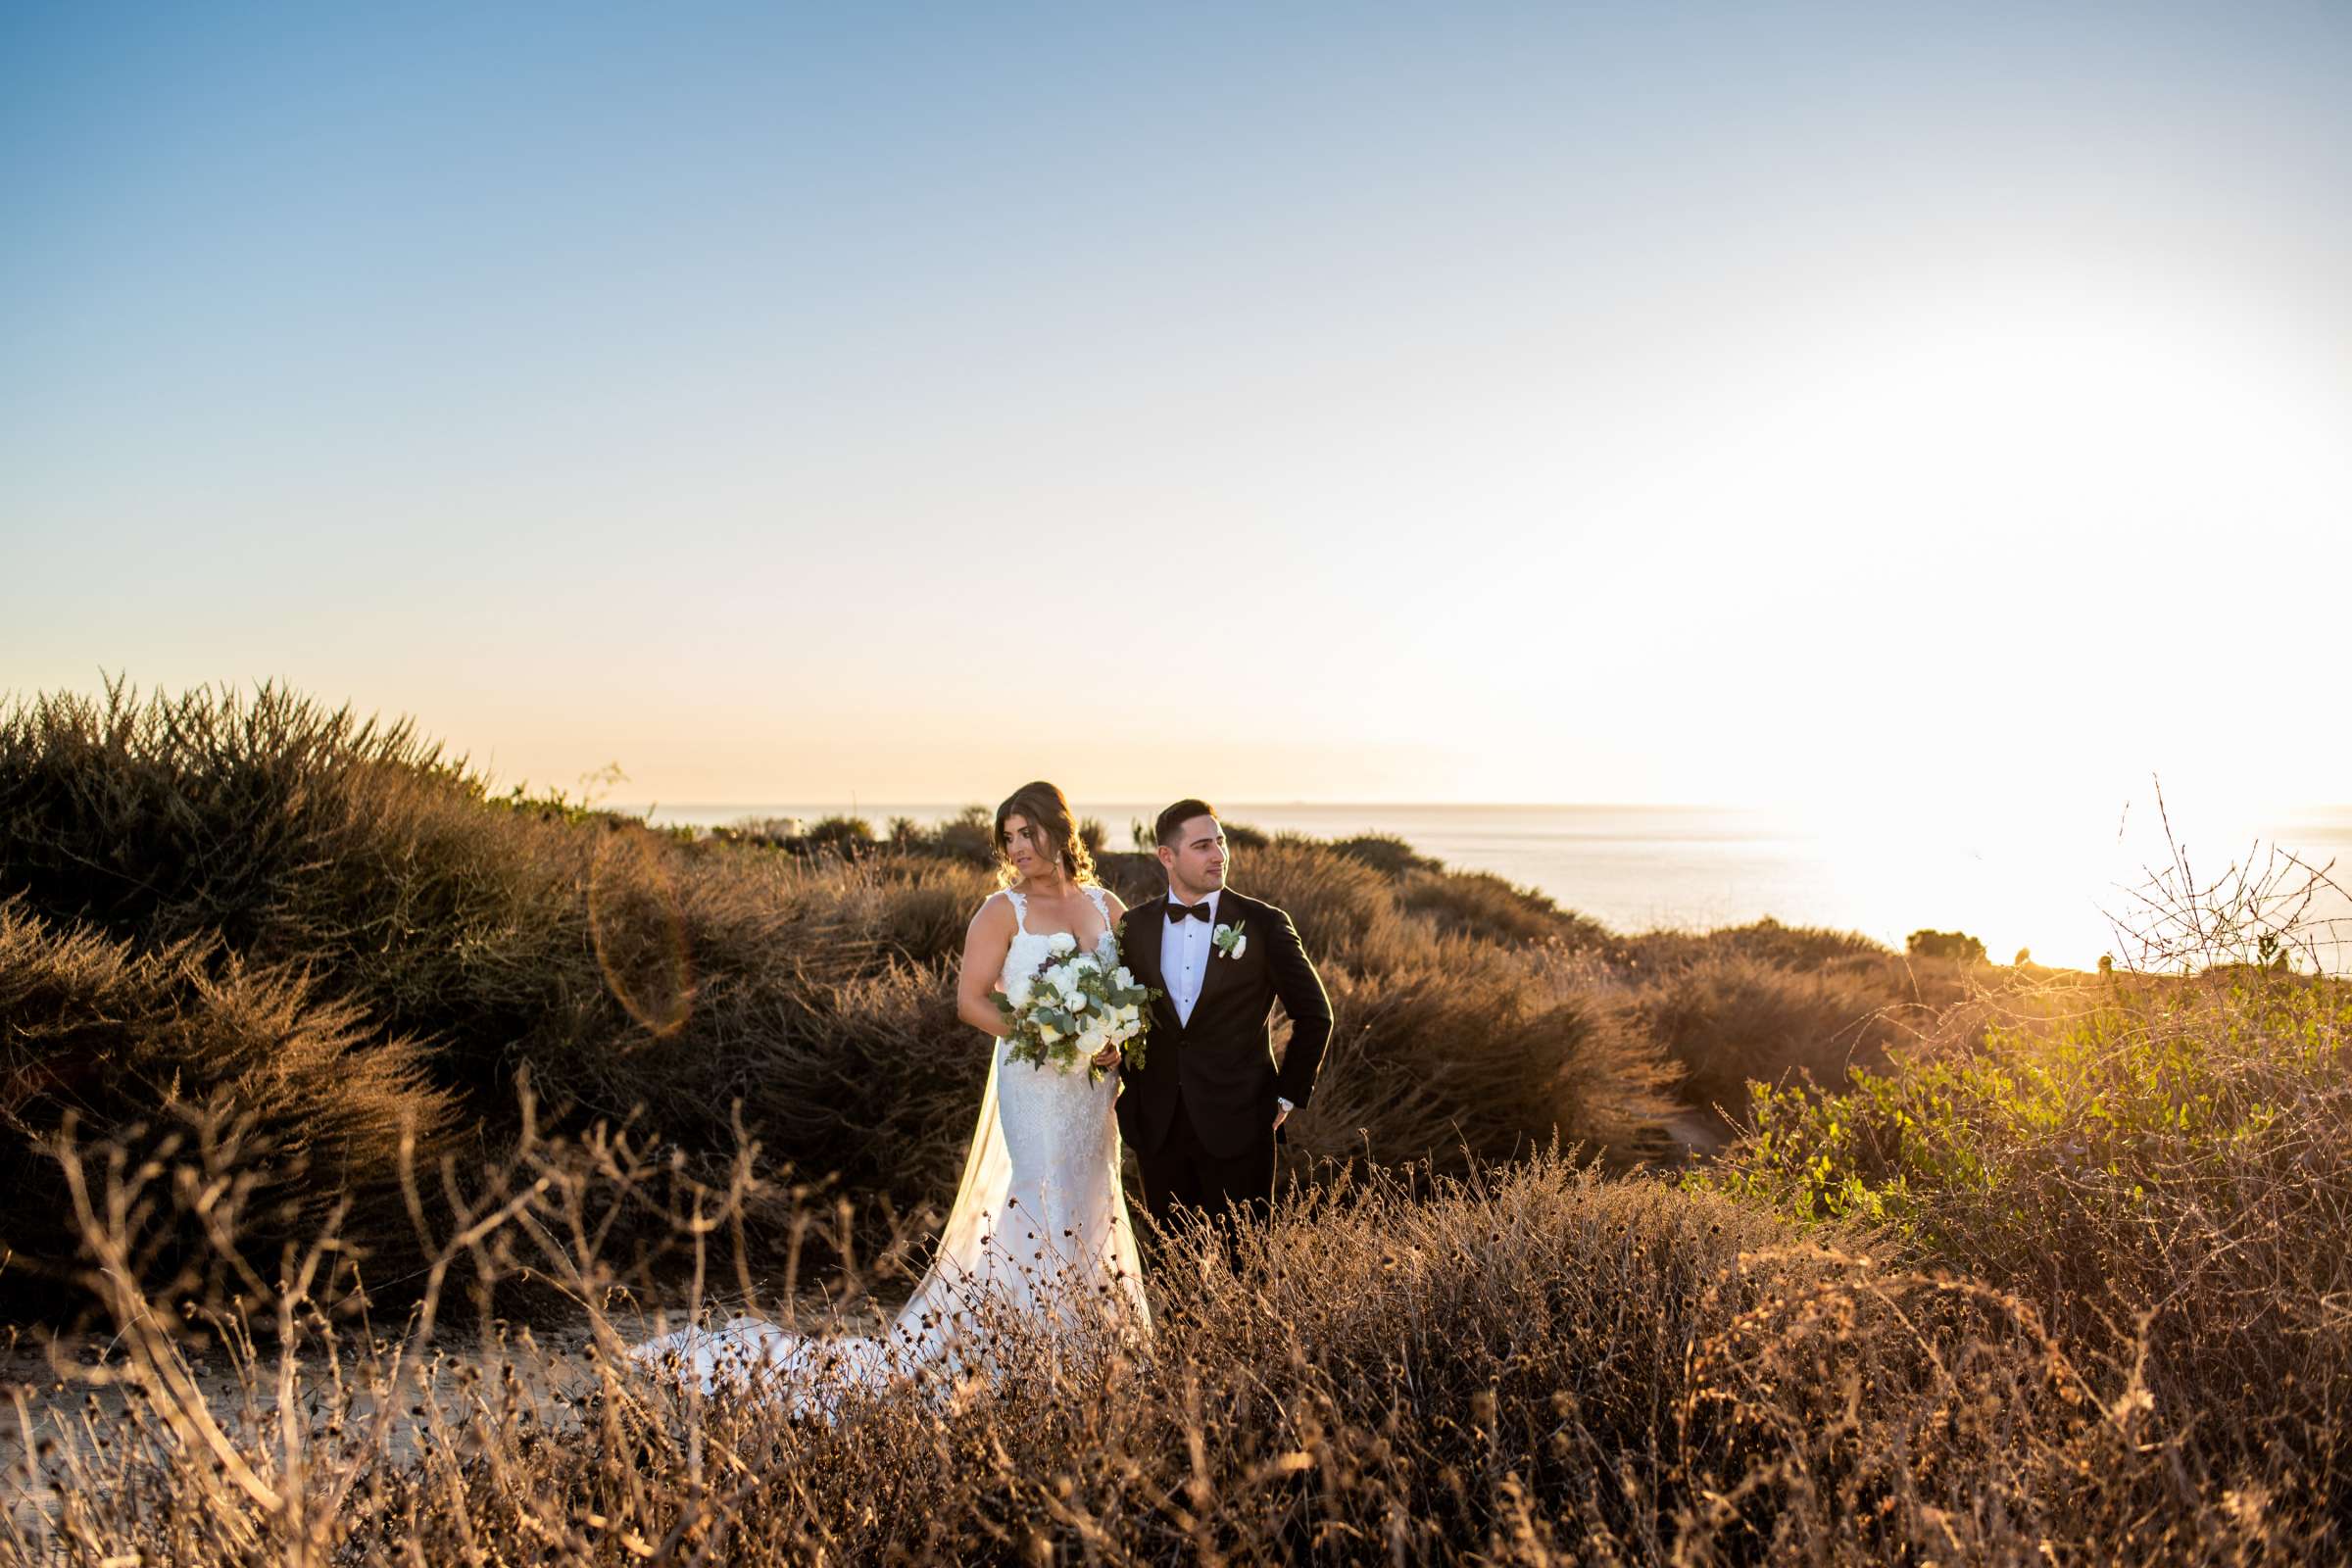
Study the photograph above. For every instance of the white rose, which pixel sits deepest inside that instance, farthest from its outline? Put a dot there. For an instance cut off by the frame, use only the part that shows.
(1021, 991)
(1061, 941)
(1124, 979)
(1048, 1033)
(1087, 963)
(1077, 1002)
(1128, 1013)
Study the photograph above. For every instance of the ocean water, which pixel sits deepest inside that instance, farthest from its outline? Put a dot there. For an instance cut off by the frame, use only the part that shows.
(2066, 889)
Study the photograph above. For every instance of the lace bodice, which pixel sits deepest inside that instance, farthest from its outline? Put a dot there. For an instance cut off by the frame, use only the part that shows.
(1030, 949)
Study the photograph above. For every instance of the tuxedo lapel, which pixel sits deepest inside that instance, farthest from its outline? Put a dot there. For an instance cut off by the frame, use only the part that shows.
(1141, 951)
(1145, 924)
(1229, 910)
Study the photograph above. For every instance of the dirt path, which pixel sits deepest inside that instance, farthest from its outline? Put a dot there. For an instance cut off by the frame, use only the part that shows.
(68, 1392)
(1685, 1139)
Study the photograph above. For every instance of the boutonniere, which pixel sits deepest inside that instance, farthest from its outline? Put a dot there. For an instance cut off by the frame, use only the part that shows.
(1231, 940)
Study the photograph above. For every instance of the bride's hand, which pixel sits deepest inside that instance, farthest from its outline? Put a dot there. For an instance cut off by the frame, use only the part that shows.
(1107, 1056)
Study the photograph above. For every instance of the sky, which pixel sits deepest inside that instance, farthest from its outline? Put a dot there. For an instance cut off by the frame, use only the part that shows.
(1737, 404)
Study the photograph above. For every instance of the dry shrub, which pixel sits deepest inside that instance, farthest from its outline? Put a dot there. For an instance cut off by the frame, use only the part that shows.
(179, 819)
(917, 910)
(1884, 1415)
(1473, 1054)
(877, 1072)
(298, 1099)
(466, 924)
(1462, 1048)
(1531, 1368)
(1482, 904)
(1345, 911)
(293, 834)
(2164, 1152)
(630, 971)
(1782, 1005)
(1131, 874)
(1766, 941)
(1387, 853)
(1730, 1020)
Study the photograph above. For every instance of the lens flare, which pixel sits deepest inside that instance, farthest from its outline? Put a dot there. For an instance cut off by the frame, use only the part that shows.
(639, 931)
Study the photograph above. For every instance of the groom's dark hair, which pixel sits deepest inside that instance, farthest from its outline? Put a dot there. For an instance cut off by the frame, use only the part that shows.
(1171, 821)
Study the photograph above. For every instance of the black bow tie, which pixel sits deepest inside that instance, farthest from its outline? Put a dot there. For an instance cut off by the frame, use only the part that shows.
(1199, 911)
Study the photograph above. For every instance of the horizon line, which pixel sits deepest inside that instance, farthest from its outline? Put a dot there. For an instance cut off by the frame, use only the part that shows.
(1341, 805)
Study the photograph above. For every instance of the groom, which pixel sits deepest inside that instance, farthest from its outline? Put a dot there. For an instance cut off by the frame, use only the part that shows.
(1201, 1113)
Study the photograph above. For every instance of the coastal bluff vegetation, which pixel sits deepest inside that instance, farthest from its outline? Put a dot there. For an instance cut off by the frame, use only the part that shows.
(1756, 1245)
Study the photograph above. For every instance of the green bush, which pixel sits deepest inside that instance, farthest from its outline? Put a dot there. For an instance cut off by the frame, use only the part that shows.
(2177, 1153)
(970, 836)
(1957, 945)
(1385, 852)
(851, 833)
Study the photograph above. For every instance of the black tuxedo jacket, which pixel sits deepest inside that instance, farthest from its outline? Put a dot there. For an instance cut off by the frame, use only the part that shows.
(1223, 1059)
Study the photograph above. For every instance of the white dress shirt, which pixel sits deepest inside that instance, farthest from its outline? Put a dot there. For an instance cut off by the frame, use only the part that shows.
(1185, 952)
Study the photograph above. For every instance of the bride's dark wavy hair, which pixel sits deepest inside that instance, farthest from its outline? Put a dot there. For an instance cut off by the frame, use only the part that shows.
(1048, 810)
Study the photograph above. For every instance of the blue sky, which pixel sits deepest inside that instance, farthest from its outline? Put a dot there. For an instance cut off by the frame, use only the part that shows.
(1707, 403)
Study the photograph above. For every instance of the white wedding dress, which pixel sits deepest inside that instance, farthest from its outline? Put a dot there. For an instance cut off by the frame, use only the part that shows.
(1037, 1237)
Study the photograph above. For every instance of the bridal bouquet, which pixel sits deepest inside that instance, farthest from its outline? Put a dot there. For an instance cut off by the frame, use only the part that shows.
(1071, 1007)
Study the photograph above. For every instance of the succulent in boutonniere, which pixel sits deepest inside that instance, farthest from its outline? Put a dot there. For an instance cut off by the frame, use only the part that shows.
(1231, 940)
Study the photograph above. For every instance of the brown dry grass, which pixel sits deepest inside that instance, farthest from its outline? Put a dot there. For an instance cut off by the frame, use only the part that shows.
(1533, 1366)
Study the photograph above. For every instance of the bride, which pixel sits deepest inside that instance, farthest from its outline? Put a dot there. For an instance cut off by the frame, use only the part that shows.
(1038, 1235)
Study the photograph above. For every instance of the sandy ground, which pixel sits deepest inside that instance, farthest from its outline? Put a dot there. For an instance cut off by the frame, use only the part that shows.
(65, 1390)
(68, 1401)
